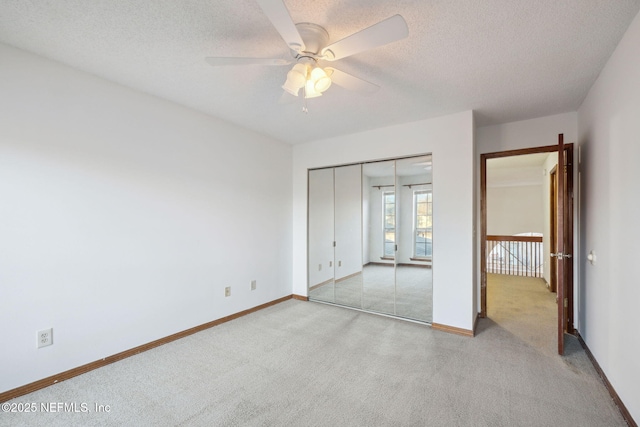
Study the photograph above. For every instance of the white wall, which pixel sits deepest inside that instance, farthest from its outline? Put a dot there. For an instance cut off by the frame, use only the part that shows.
(476, 218)
(514, 209)
(537, 132)
(609, 139)
(450, 139)
(123, 217)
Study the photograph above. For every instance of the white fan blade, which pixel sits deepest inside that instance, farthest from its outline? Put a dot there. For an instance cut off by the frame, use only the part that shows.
(384, 32)
(218, 61)
(350, 82)
(279, 16)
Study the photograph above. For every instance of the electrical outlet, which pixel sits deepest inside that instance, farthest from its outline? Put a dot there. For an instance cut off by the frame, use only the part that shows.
(45, 337)
(253, 285)
(319, 267)
(227, 291)
(339, 263)
(330, 263)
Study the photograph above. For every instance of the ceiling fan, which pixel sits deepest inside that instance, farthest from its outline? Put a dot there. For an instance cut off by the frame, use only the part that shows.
(309, 44)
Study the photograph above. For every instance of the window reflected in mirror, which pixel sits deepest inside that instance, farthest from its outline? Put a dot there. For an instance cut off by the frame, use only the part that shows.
(372, 224)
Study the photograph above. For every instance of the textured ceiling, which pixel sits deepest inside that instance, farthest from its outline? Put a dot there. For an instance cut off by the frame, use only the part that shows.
(506, 59)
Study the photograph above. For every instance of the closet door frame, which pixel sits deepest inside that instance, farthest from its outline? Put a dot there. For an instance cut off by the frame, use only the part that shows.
(362, 234)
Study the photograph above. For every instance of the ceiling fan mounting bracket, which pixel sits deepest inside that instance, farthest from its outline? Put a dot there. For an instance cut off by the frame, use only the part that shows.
(305, 58)
(315, 39)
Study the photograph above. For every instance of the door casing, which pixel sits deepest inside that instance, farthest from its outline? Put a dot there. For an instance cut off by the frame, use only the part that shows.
(568, 227)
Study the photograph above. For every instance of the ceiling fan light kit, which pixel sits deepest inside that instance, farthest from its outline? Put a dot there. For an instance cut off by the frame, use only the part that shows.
(309, 43)
(312, 78)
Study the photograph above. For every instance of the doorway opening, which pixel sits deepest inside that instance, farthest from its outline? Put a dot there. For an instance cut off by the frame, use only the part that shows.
(520, 251)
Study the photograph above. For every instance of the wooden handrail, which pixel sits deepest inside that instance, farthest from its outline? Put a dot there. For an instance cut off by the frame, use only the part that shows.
(514, 255)
(515, 238)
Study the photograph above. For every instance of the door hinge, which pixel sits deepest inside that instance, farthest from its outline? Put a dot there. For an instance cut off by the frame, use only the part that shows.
(334, 244)
(566, 303)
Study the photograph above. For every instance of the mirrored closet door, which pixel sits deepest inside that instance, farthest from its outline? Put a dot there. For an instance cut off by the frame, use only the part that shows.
(320, 235)
(335, 235)
(378, 189)
(348, 236)
(413, 258)
(375, 251)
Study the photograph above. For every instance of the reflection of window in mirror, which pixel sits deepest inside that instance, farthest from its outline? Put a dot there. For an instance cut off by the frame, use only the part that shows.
(389, 224)
(422, 220)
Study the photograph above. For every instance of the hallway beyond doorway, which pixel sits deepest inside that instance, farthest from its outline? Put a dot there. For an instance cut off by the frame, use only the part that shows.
(525, 307)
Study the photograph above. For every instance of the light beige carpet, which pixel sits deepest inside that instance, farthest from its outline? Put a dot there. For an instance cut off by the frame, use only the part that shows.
(307, 364)
(525, 308)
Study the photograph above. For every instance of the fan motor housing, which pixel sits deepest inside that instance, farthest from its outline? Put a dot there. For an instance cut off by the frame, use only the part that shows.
(315, 39)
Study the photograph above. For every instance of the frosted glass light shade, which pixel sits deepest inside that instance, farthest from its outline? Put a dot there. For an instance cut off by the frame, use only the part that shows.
(289, 87)
(296, 79)
(310, 91)
(298, 75)
(320, 79)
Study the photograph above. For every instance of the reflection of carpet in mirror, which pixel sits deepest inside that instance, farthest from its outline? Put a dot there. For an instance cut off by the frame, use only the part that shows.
(373, 290)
